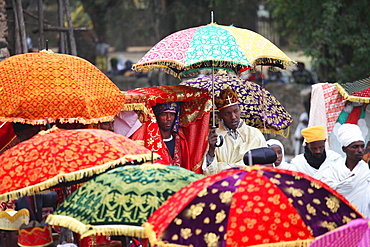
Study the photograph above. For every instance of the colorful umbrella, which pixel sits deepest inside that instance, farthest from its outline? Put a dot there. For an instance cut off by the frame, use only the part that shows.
(60, 87)
(58, 156)
(194, 118)
(259, 108)
(253, 206)
(119, 201)
(213, 45)
(353, 234)
(357, 91)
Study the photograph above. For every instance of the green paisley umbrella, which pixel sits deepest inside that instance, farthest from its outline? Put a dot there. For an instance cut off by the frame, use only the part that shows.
(119, 201)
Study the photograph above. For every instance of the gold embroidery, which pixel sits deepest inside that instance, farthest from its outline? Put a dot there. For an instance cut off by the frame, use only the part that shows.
(311, 209)
(295, 192)
(332, 203)
(178, 221)
(196, 210)
(212, 206)
(198, 231)
(221, 228)
(185, 233)
(175, 237)
(316, 201)
(211, 239)
(225, 184)
(206, 220)
(329, 225)
(226, 196)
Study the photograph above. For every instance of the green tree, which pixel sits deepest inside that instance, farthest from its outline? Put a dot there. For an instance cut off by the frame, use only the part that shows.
(335, 33)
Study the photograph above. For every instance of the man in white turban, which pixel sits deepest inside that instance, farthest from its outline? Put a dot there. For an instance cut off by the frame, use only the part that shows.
(351, 176)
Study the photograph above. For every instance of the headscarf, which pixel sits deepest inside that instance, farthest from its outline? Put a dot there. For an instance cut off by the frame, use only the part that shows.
(349, 133)
(271, 142)
(169, 107)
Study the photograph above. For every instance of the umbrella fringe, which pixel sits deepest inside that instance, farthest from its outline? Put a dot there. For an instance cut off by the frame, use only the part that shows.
(295, 243)
(74, 176)
(351, 98)
(68, 222)
(61, 120)
(284, 132)
(115, 230)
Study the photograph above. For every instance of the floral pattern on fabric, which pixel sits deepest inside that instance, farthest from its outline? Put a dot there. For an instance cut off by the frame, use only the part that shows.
(51, 158)
(251, 206)
(40, 85)
(213, 45)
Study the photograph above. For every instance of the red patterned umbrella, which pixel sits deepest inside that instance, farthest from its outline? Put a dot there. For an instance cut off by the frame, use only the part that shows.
(253, 206)
(58, 156)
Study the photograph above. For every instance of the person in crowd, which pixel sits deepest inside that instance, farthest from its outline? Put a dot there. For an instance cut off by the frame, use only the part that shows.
(298, 138)
(101, 53)
(238, 137)
(278, 147)
(168, 119)
(350, 176)
(301, 75)
(315, 157)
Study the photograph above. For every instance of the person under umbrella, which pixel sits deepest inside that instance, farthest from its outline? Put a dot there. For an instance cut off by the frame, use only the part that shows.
(238, 137)
(315, 157)
(167, 115)
(350, 176)
(278, 147)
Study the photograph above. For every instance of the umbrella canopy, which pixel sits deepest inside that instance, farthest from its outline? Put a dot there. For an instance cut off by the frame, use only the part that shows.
(214, 45)
(119, 201)
(58, 156)
(249, 207)
(357, 91)
(353, 234)
(35, 86)
(259, 108)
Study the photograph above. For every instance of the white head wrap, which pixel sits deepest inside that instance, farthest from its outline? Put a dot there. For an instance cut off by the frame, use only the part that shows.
(271, 142)
(348, 133)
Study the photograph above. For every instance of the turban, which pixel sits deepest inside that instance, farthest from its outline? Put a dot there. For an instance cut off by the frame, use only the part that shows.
(166, 107)
(313, 134)
(169, 107)
(348, 133)
(227, 98)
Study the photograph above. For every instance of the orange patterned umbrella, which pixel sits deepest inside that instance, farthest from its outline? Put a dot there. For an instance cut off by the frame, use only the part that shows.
(57, 157)
(35, 86)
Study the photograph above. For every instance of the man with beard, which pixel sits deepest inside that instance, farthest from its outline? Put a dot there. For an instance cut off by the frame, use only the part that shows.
(351, 175)
(315, 157)
(238, 137)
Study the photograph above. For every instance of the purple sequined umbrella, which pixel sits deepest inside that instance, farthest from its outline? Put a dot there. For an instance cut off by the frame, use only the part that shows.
(259, 108)
(253, 206)
(353, 234)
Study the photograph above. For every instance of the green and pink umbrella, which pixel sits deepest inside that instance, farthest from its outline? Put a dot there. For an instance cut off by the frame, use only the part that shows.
(212, 45)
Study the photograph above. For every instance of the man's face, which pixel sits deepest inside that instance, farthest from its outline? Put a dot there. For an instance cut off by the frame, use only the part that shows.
(46, 211)
(355, 151)
(165, 120)
(317, 148)
(231, 116)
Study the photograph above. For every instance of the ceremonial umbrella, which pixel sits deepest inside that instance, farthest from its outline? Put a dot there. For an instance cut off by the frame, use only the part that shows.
(253, 206)
(353, 234)
(60, 87)
(57, 157)
(119, 201)
(212, 46)
(357, 91)
(259, 108)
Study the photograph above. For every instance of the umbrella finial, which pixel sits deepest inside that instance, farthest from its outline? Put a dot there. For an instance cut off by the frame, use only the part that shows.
(212, 16)
(47, 44)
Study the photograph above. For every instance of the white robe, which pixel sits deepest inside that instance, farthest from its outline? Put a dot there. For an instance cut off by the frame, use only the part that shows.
(231, 153)
(353, 185)
(300, 164)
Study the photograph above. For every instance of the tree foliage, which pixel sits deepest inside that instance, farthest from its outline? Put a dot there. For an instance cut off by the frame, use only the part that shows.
(335, 33)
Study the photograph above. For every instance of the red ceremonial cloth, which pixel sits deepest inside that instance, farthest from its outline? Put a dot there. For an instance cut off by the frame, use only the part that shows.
(7, 137)
(194, 120)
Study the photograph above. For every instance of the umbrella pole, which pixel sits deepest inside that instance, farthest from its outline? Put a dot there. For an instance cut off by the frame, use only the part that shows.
(213, 98)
